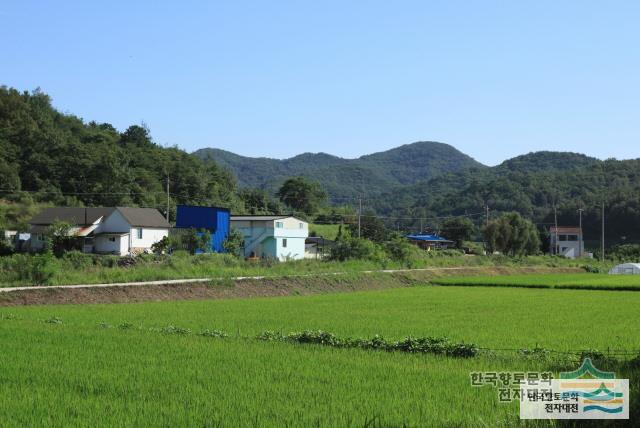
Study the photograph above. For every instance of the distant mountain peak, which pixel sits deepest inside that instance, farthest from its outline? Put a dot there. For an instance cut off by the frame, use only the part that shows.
(546, 160)
(381, 171)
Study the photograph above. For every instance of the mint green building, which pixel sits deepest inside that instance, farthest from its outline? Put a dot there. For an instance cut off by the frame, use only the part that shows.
(271, 236)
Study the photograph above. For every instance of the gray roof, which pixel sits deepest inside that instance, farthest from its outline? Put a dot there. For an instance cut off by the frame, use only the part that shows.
(71, 215)
(141, 217)
(144, 217)
(259, 217)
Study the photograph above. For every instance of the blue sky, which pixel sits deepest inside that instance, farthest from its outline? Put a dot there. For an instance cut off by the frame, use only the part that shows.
(276, 78)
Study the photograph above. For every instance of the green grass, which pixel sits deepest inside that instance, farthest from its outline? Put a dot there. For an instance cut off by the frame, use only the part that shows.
(564, 280)
(328, 231)
(78, 373)
(85, 269)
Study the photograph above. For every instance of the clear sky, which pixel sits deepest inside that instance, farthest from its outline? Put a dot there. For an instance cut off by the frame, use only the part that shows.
(277, 78)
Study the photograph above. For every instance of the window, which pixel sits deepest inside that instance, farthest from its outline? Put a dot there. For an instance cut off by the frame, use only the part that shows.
(562, 237)
(279, 224)
(112, 239)
(139, 232)
(572, 237)
(301, 225)
(284, 243)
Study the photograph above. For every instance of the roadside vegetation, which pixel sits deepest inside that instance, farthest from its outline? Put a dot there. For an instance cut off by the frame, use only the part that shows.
(78, 268)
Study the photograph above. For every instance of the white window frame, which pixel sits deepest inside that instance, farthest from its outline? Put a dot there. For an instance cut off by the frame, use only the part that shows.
(284, 242)
(279, 225)
(139, 233)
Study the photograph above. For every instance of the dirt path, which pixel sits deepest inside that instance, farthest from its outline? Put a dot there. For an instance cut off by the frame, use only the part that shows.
(244, 287)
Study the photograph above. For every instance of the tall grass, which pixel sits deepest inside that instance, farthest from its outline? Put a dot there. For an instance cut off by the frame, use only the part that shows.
(77, 268)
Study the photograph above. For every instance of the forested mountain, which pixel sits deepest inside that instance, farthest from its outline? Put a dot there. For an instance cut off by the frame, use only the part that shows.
(532, 189)
(54, 158)
(372, 173)
(546, 161)
(47, 156)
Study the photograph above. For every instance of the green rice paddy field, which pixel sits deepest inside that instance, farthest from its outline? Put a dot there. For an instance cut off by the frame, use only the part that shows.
(562, 280)
(75, 365)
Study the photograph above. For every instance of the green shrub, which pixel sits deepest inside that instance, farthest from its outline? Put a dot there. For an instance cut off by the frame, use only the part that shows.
(175, 330)
(162, 246)
(593, 269)
(357, 249)
(401, 250)
(213, 333)
(78, 260)
(42, 269)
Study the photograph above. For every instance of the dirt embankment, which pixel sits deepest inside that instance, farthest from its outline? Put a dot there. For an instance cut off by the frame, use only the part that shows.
(248, 288)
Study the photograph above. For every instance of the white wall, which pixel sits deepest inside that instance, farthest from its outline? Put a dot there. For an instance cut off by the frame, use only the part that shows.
(149, 237)
(294, 249)
(114, 223)
(292, 227)
(120, 245)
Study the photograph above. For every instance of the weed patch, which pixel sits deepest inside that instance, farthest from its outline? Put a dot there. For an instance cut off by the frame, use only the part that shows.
(421, 345)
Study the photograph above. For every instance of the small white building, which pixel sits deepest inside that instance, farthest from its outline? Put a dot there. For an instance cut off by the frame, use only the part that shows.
(271, 236)
(626, 269)
(567, 242)
(104, 230)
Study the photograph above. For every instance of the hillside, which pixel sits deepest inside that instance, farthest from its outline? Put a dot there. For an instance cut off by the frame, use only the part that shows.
(50, 157)
(47, 157)
(373, 173)
(546, 161)
(530, 184)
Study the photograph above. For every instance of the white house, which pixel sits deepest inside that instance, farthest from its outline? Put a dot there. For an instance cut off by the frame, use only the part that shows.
(567, 242)
(279, 237)
(104, 230)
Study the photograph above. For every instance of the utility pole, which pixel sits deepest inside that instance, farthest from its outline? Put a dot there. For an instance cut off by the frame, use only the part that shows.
(555, 222)
(602, 248)
(487, 214)
(421, 225)
(168, 197)
(359, 215)
(580, 242)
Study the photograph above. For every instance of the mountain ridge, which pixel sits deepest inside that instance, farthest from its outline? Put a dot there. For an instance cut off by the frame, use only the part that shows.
(343, 177)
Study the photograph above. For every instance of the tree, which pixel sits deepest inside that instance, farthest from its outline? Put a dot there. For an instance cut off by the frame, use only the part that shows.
(234, 242)
(458, 229)
(356, 249)
(61, 238)
(302, 195)
(161, 246)
(513, 235)
(258, 201)
(198, 239)
(371, 227)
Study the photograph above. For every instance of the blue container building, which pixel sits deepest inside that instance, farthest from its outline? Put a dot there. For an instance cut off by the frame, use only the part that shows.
(215, 220)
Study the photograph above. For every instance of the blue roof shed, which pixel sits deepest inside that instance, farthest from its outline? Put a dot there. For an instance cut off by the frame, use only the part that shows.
(214, 219)
(427, 237)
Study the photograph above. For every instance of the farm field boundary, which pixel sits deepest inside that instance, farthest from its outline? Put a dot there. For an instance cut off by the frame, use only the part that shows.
(247, 287)
(555, 280)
